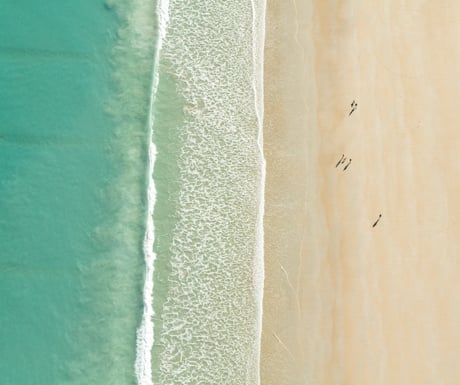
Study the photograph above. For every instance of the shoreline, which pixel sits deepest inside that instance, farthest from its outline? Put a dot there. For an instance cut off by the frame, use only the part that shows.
(290, 150)
(258, 25)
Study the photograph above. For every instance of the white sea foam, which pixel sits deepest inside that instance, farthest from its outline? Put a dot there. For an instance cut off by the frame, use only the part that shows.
(145, 336)
(211, 316)
(258, 15)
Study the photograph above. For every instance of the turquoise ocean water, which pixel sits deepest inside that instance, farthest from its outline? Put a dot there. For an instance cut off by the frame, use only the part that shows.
(131, 191)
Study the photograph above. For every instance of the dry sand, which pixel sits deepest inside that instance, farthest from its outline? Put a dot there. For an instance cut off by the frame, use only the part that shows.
(345, 303)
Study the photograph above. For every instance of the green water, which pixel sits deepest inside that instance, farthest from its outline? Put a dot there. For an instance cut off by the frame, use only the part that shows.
(76, 88)
(72, 195)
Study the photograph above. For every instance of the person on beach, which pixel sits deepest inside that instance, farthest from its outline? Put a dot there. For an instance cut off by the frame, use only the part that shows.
(377, 221)
(354, 106)
(347, 165)
(340, 161)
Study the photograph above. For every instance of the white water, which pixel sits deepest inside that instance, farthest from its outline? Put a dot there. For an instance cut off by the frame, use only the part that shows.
(145, 337)
(258, 17)
(211, 317)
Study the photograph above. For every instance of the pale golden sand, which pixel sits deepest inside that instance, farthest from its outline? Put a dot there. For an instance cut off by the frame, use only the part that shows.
(345, 303)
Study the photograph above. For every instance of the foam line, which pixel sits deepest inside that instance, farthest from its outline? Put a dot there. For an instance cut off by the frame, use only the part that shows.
(258, 17)
(145, 337)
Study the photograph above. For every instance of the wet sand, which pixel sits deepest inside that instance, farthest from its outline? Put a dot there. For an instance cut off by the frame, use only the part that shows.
(347, 303)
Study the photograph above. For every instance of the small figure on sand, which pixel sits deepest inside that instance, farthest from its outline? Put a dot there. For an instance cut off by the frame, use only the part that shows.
(347, 165)
(377, 221)
(354, 106)
(342, 159)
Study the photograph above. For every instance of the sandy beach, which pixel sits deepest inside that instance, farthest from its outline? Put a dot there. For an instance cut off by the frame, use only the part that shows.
(347, 303)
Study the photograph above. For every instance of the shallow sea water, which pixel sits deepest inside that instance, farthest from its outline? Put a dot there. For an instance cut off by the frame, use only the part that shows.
(98, 127)
(209, 178)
